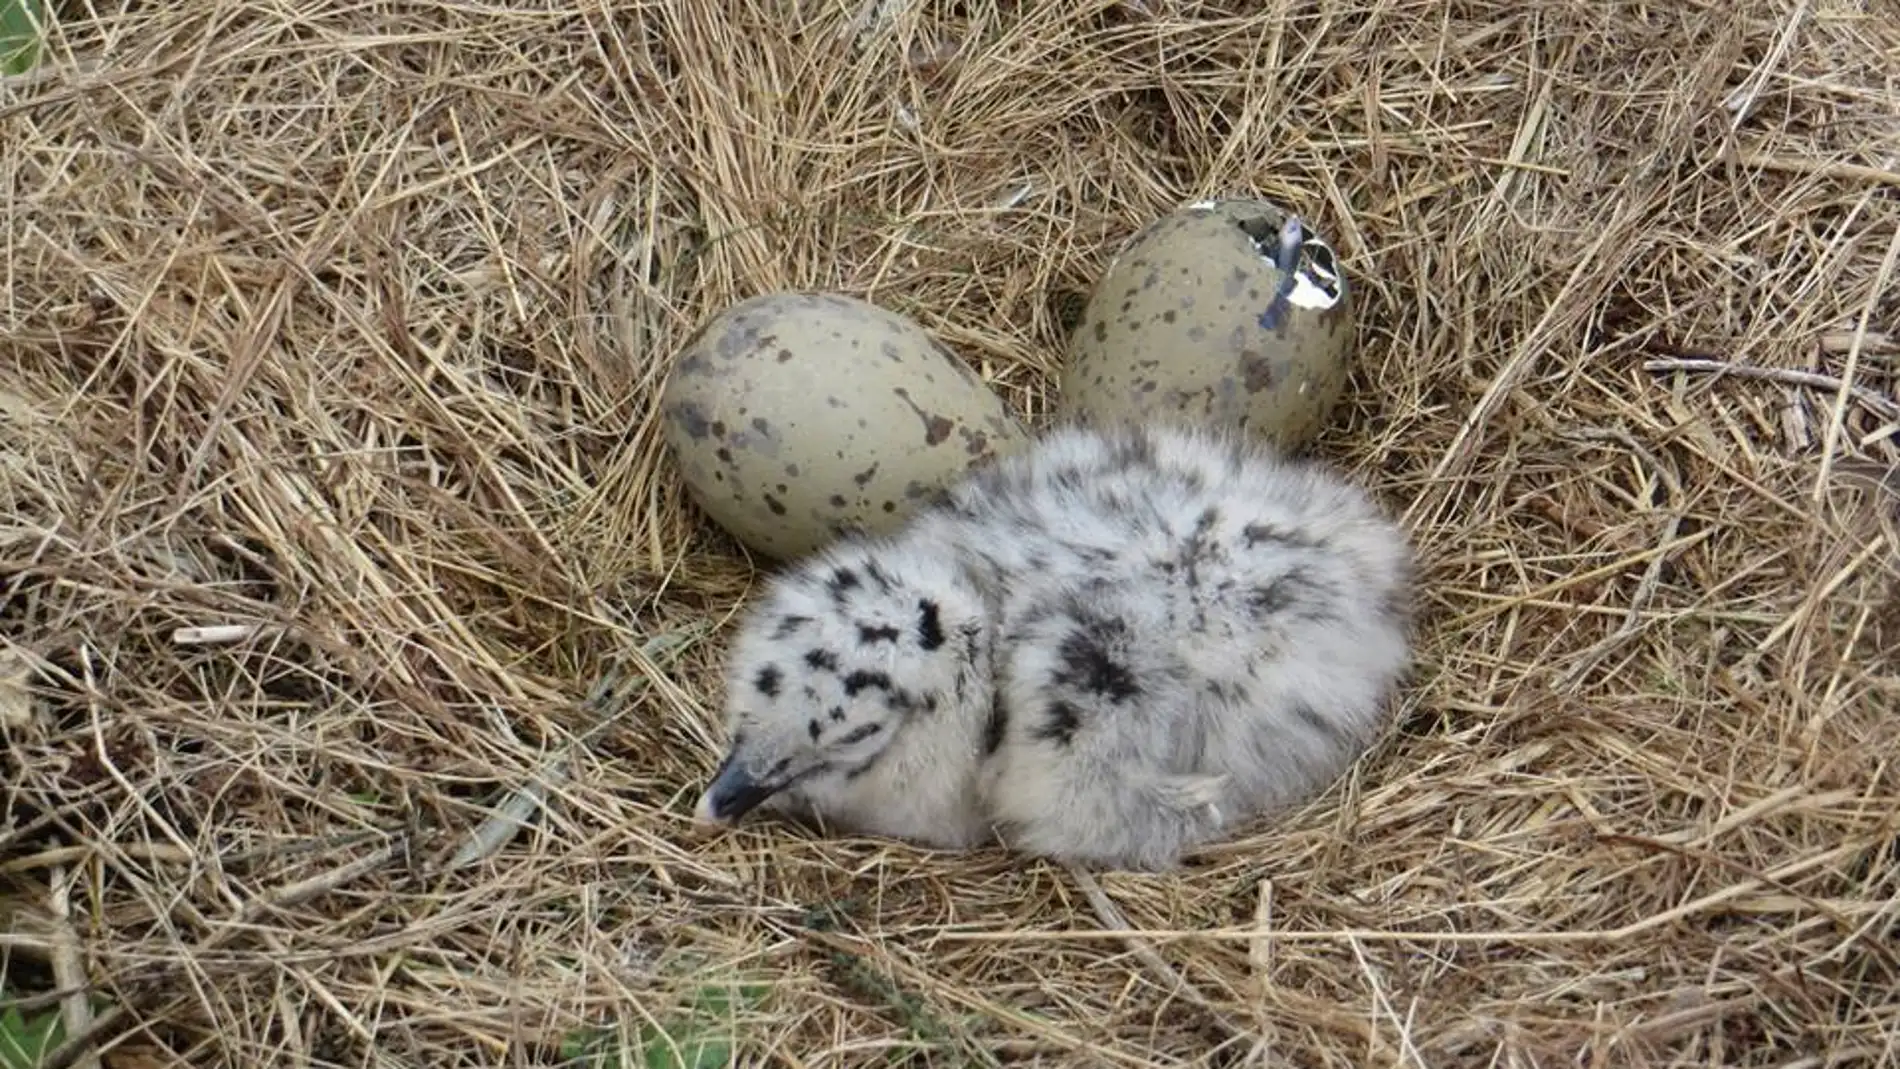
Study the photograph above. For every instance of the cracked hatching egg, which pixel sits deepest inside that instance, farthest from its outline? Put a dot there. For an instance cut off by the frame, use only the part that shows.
(1225, 313)
(795, 417)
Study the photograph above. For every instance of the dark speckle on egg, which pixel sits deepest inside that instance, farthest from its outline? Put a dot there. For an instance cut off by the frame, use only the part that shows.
(936, 427)
(739, 411)
(692, 419)
(1258, 371)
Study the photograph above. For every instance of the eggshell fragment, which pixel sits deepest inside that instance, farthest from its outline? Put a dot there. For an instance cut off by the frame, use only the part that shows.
(797, 416)
(1196, 321)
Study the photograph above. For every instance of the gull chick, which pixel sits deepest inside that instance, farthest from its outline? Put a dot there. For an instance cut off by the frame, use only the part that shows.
(1109, 648)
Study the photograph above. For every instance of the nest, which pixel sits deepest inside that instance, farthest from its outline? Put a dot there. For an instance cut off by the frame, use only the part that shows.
(331, 488)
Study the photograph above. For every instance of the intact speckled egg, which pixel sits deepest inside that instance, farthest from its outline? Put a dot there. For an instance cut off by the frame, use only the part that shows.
(1226, 313)
(795, 417)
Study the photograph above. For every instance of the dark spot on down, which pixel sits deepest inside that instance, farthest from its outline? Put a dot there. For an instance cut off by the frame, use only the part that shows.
(842, 581)
(812, 729)
(789, 625)
(1062, 722)
(823, 660)
(863, 679)
(870, 634)
(1296, 594)
(929, 625)
(1087, 665)
(860, 733)
(1311, 717)
(1133, 449)
(1257, 533)
(767, 681)
(995, 727)
(877, 576)
(1270, 600)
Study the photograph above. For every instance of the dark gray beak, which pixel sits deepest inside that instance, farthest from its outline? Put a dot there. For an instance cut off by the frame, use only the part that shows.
(731, 794)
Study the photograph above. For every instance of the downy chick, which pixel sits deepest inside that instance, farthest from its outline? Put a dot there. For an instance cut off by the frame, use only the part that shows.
(1143, 636)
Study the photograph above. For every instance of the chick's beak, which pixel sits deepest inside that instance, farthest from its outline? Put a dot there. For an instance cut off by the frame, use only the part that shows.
(732, 793)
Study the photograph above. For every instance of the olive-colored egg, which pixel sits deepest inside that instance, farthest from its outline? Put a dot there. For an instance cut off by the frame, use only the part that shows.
(1225, 313)
(795, 417)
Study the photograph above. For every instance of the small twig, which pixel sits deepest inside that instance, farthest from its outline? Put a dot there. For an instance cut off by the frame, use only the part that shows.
(69, 972)
(1113, 919)
(1855, 172)
(215, 634)
(1741, 102)
(601, 706)
(80, 1043)
(1836, 423)
(1652, 573)
(1789, 376)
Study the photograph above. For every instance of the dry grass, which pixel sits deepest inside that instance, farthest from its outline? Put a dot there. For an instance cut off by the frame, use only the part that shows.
(345, 322)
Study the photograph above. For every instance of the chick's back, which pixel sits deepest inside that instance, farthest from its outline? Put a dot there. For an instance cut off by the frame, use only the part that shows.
(1191, 630)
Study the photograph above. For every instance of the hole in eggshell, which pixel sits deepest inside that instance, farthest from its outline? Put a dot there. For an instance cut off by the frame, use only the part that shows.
(1263, 232)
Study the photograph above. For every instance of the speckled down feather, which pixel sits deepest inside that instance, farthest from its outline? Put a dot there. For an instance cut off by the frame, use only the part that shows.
(1109, 648)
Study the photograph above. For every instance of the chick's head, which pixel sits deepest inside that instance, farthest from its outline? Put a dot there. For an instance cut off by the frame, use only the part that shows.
(841, 655)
